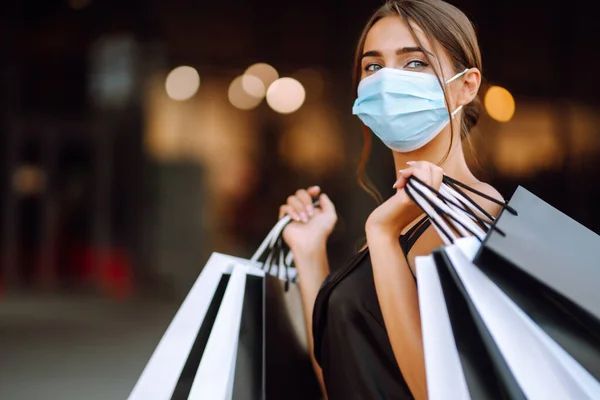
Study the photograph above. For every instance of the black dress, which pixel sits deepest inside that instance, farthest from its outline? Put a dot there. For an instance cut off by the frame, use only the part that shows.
(351, 342)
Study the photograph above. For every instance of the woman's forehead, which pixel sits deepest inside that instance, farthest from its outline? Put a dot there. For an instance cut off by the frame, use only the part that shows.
(391, 33)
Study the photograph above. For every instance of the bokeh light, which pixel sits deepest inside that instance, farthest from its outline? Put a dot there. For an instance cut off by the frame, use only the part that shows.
(265, 72)
(499, 104)
(29, 180)
(239, 97)
(286, 95)
(254, 86)
(182, 83)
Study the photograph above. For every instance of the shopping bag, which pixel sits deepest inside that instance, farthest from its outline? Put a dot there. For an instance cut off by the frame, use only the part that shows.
(541, 367)
(546, 262)
(549, 246)
(193, 320)
(216, 346)
(524, 355)
(457, 362)
(216, 372)
(442, 360)
(289, 371)
(196, 357)
(249, 378)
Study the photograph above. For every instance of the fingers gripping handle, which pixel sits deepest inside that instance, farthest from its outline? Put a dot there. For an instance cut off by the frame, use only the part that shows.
(273, 244)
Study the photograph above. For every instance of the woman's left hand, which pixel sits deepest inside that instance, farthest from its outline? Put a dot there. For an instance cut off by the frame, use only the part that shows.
(391, 217)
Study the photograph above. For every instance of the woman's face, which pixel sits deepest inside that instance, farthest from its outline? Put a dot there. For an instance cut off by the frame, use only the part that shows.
(390, 44)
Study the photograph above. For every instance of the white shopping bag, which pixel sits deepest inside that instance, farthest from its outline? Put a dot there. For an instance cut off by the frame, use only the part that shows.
(162, 372)
(442, 362)
(214, 379)
(196, 357)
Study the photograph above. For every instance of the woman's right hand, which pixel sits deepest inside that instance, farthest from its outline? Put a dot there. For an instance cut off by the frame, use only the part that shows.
(310, 226)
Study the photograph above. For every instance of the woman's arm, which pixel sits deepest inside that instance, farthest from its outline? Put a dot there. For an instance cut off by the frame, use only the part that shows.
(395, 286)
(307, 238)
(397, 295)
(313, 268)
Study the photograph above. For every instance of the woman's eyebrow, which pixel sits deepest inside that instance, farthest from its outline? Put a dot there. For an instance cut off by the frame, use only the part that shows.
(403, 50)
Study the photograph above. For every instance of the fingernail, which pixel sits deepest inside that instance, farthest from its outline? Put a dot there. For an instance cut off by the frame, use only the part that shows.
(304, 217)
(310, 210)
(394, 187)
(315, 187)
(411, 162)
(297, 217)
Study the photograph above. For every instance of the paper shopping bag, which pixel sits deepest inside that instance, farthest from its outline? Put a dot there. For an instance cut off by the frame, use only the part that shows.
(193, 320)
(442, 360)
(541, 368)
(216, 372)
(197, 356)
(249, 378)
(546, 262)
(484, 378)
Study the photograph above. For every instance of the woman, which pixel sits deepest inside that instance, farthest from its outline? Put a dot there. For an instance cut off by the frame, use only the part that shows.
(417, 72)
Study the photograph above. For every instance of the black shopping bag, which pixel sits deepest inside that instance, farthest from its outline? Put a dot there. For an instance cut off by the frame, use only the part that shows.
(548, 264)
(249, 377)
(288, 367)
(289, 371)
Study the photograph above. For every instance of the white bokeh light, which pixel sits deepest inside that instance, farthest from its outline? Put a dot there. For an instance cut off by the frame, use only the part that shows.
(286, 95)
(182, 83)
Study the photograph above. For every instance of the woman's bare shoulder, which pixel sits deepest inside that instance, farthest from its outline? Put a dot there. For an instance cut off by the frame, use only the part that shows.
(488, 190)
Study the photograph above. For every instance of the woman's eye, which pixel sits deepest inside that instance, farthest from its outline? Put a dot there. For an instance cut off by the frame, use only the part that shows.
(373, 67)
(416, 64)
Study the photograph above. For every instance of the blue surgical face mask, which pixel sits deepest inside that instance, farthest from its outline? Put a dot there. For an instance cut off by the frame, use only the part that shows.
(405, 109)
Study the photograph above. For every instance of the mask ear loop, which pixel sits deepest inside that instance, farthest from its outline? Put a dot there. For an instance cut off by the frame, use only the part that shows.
(451, 80)
(457, 76)
(456, 111)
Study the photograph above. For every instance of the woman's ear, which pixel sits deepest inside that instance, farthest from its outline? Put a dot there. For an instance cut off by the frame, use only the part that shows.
(470, 87)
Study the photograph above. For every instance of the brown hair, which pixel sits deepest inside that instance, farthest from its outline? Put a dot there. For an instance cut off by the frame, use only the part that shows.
(442, 23)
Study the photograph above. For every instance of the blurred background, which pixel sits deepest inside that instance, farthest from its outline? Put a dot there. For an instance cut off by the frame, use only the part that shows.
(138, 137)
